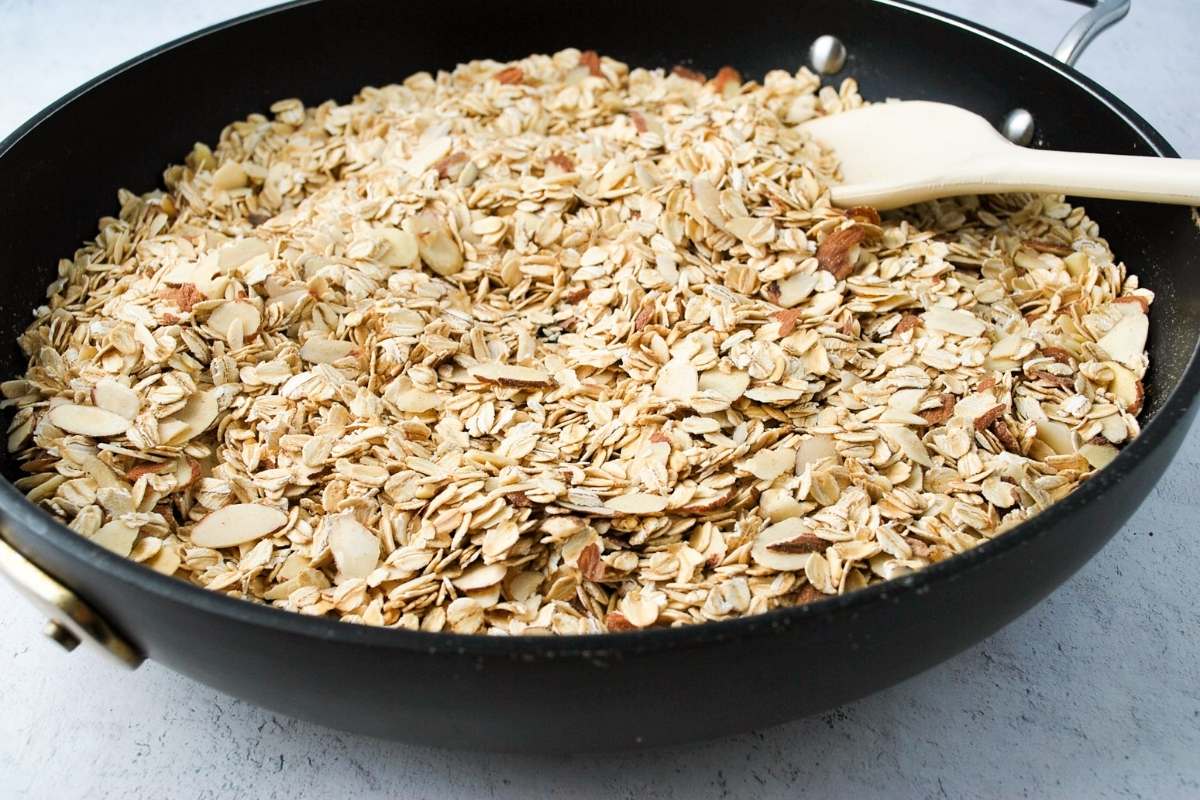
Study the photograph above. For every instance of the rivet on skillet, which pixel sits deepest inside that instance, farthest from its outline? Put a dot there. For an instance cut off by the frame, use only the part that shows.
(1018, 127)
(827, 54)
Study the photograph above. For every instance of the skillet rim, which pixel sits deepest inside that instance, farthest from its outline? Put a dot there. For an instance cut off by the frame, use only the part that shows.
(55, 534)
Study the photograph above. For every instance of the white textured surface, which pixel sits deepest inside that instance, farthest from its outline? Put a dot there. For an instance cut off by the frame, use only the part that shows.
(1095, 693)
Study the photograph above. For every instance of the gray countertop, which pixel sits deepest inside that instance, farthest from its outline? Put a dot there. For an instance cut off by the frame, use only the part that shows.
(1095, 693)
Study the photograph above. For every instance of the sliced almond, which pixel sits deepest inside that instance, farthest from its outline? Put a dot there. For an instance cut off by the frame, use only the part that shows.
(235, 254)
(511, 375)
(774, 394)
(167, 560)
(401, 250)
(435, 243)
(87, 420)
(230, 175)
(117, 398)
(1058, 436)
(416, 401)
(974, 405)
(1126, 341)
(910, 444)
(1098, 455)
(780, 504)
(480, 577)
(906, 400)
(237, 524)
(319, 350)
(767, 465)
(197, 413)
(708, 200)
(813, 449)
(794, 289)
(235, 313)
(728, 386)
(355, 549)
(955, 321)
(637, 503)
(765, 555)
(116, 536)
(1126, 388)
(677, 380)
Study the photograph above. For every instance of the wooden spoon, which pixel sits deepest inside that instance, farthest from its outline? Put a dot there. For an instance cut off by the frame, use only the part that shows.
(894, 154)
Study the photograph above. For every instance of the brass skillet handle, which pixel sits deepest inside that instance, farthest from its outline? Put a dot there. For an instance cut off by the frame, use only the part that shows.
(1019, 125)
(71, 619)
(1103, 14)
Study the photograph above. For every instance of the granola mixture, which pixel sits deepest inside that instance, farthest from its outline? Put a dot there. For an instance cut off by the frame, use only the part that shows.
(561, 346)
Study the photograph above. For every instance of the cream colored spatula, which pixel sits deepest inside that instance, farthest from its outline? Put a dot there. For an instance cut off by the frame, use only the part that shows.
(894, 154)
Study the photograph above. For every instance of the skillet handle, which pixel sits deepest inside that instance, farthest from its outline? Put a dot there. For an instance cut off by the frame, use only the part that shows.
(1019, 126)
(1103, 14)
(71, 619)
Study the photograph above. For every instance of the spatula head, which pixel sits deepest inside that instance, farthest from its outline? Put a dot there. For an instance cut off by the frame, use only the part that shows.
(898, 153)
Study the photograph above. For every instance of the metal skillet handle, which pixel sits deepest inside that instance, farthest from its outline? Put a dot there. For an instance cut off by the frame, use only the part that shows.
(71, 620)
(1103, 14)
(1019, 125)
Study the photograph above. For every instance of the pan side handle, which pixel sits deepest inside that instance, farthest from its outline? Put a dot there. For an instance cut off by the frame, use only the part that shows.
(1103, 14)
(1019, 125)
(72, 620)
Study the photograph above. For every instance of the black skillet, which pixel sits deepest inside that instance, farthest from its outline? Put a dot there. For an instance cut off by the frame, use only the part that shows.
(60, 171)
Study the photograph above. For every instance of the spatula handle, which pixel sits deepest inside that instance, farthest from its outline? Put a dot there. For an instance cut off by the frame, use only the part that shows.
(1155, 180)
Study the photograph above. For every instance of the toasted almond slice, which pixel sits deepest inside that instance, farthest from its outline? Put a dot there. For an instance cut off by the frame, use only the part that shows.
(229, 175)
(896, 416)
(787, 530)
(909, 443)
(435, 243)
(320, 350)
(767, 465)
(708, 199)
(201, 273)
(187, 471)
(795, 288)
(116, 536)
(232, 313)
(1126, 388)
(237, 524)
(235, 254)
(355, 549)
(726, 385)
(117, 398)
(780, 504)
(774, 394)
(1077, 264)
(166, 562)
(638, 610)
(1098, 455)
(511, 375)
(813, 449)
(974, 405)
(637, 503)
(1126, 341)
(416, 401)
(428, 154)
(401, 248)
(197, 413)
(173, 431)
(906, 400)
(480, 577)
(87, 420)
(955, 321)
(677, 380)
(1058, 436)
